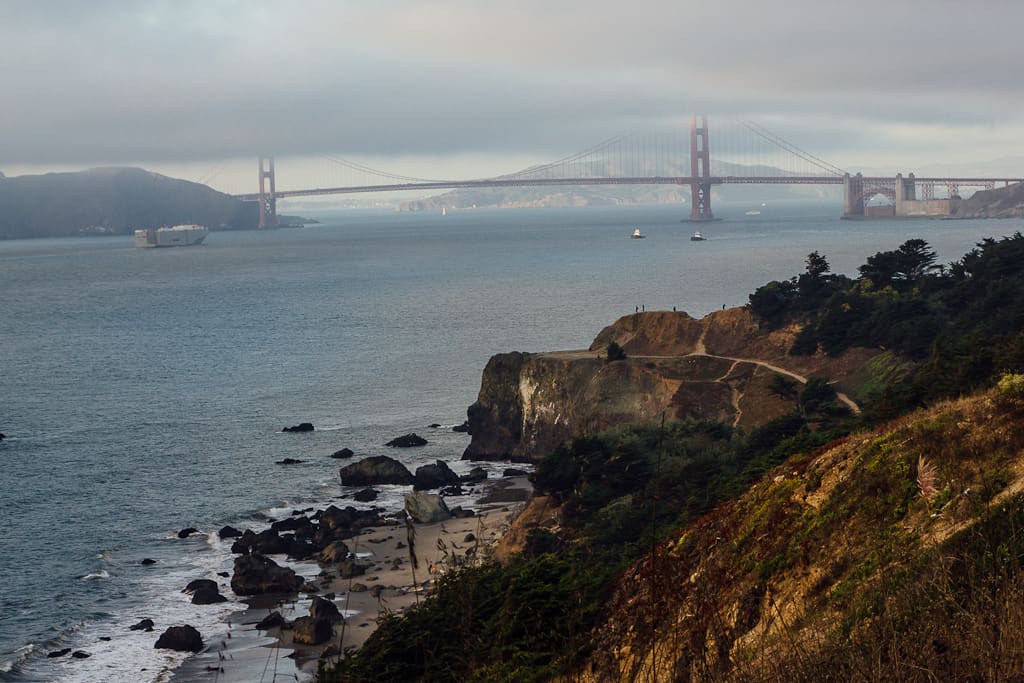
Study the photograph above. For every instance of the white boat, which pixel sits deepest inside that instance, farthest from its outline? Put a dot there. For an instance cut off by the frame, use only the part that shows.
(636, 234)
(176, 236)
(697, 236)
(753, 212)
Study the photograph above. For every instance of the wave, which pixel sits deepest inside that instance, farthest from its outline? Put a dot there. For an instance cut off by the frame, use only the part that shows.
(92, 576)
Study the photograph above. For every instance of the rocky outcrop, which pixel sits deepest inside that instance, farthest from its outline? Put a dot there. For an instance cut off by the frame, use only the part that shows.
(410, 440)
(718, 368)
(301, 427)
(181, 638)
(1001, 202)
(377, 469)
(310, 631)
(258, 575)
(434, 476)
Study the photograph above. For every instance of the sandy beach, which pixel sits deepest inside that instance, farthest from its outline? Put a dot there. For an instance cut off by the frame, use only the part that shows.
(389, 585)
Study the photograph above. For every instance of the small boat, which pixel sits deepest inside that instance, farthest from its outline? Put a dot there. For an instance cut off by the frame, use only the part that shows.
(753, 212)
(636, 235)
(697, 236)
(176, 236)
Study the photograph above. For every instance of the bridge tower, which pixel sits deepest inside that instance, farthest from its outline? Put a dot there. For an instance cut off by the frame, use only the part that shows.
(268, 200)
(700, 171)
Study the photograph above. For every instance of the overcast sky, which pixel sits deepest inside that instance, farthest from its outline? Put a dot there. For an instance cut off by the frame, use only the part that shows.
(461, 88)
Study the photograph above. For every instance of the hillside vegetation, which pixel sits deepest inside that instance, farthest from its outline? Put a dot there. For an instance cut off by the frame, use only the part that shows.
(818, 546)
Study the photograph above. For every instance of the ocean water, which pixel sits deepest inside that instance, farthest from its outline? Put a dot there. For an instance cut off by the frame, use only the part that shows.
(144, 390)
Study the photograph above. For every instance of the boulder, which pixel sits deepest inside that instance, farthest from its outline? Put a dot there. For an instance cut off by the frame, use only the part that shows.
(266, 542)
(289, 461)
(335, 552)
(81, 654)
(185, 533)
(147, 561)
(366, 495)
(58, 653)
(207, 596)
(200, 584)
(407, 441)
(514, 472)
(475, 476)
(426, 508)
(272, 620)
(144, 625)
(434, 476)
(229, 532)
(310, 631)
(301, 427)
(181, 638)
(256, 575)
(464, 427)
(378, 469)
(349, 567)
(343, 453)
(324, 609)
(460, 512)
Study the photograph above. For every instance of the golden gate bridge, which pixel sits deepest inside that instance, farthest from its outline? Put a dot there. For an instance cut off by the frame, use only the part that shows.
(746, 154)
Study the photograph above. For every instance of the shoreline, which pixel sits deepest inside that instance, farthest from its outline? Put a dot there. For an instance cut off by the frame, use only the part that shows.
(389, 585)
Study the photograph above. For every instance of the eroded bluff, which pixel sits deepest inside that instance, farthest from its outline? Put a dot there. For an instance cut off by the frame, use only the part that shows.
(720, 367)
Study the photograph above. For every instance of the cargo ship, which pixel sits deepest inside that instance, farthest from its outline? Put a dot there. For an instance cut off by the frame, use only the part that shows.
(177, 236)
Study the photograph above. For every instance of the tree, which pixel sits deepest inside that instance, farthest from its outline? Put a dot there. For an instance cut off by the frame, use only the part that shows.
(615, 352)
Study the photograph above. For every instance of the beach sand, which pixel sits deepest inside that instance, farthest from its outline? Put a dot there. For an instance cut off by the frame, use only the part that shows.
(390, 585)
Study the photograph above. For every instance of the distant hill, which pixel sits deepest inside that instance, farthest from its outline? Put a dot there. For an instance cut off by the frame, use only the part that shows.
(112, 201)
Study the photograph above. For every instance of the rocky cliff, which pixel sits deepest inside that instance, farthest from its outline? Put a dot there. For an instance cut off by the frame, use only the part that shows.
(719, 368)
(1001, 202)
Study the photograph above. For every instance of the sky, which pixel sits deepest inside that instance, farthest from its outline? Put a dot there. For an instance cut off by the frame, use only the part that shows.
(200, 89)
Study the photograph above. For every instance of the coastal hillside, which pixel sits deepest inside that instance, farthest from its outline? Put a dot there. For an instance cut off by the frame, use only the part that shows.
(112, 201)
(1001, 202)
(820, 544)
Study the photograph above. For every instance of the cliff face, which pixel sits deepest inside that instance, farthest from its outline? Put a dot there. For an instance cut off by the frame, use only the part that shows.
(718, 368)
(1001, 202)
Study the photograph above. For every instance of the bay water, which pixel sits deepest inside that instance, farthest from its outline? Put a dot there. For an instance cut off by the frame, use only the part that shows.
(143, 391)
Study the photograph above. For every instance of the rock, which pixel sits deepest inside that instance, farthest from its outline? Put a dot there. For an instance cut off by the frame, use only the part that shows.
(200, 584)
(106, 639)
(330, 651)
(469, 538)
(514, 472)
(377, 591)
(366, 495)
(272, 620)
(229, 532)
(147, 561)
(2, 436)
(81, 654)
(455, 490)
(58, 653)
(407, 441)
(378, 469)
(335, 552)
(475, 476)
(289, 461)
(399, 545)
(310, 631)
(434, 425)
(223, 574)
(426, 508)
(460, 512)
(185, 533)
(358, 588)
(324, 609)
(144, 625)
(180, 638)
(464, 428)
(256, 575)
(348, 568)
(434, 476)
(207, 596)
(343, 453)
(301, 427)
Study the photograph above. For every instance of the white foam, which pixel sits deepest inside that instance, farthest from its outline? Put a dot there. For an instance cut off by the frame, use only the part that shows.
(92, 576)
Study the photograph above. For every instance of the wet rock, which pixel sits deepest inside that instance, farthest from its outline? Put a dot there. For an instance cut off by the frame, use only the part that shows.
(350, 567)
(148, 561)
(229, 532)
(464, 427)
(475, 476)
(289, 461)
(272, 620)
(343, 453)
(366, 495)
(144, 625)
(426, 508)
(358, 588)
(514, 472)
(301, 427)
(407, 441)
(434, 476)
(185, 533)
(200, 584)
(256, 575)
(180, 638)
(378, 469)
(455, 490)
(58, 653)
(81, 654)
(460, 512)
(335, 552)
(469, 538)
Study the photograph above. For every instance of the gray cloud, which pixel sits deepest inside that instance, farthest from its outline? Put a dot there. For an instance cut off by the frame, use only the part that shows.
(176, 81)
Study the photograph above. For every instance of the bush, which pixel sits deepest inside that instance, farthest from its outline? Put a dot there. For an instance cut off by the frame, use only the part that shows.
(615, 352)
